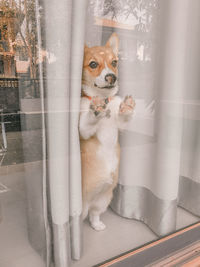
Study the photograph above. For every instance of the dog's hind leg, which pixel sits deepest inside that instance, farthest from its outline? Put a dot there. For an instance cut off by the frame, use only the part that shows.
(85, 210)
(97, 208)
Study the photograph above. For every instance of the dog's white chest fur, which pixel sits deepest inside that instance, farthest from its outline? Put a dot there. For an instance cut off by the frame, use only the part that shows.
(106, 131)
(107, 134)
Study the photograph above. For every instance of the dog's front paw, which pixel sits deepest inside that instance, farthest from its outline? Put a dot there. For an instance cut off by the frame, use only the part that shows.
(98, 107)
(127, 106)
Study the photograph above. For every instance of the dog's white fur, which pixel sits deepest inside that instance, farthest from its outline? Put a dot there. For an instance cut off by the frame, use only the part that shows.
(99, 144)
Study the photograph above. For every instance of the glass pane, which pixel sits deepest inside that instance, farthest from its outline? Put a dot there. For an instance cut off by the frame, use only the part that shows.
(22, 231)
(78, 79)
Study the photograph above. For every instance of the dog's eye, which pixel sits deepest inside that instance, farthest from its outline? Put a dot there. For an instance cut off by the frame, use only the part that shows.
(114, 63)
(93, 65)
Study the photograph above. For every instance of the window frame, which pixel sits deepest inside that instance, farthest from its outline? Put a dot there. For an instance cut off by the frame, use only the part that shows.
(154, 251)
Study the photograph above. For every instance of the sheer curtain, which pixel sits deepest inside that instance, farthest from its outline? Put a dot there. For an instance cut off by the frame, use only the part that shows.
(54, 184)
(162, 170)
(160, 149)
(65, 39)
(189, 189)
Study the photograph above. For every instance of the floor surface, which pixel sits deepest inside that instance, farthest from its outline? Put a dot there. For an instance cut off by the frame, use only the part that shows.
(120, 235)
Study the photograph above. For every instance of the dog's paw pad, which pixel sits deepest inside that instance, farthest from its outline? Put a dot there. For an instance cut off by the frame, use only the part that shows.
(128, 100)
(127, 106)
(98, 106)
(100, 226)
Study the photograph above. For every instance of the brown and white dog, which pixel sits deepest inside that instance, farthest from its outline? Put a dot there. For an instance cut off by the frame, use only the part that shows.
(102, 114)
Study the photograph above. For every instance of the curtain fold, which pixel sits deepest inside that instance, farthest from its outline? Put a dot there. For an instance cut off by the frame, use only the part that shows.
(75, 193)
(34, 138)
(57, 105)
(54, 191)
(189, 187)
(65, 39)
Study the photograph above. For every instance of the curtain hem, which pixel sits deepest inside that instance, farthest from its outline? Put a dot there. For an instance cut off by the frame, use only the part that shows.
(135, 202)
(189, 195)
(61, 244)
(76, 236)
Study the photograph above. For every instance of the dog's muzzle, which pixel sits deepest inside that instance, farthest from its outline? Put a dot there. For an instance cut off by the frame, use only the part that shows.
(110, 80)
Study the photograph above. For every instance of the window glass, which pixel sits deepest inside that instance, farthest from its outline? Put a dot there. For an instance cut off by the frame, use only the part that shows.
(47, 82)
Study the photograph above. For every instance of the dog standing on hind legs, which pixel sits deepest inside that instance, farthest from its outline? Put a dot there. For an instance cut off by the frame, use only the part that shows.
(102, 114)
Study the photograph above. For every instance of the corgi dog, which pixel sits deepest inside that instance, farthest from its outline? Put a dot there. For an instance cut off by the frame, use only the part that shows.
(102, 114)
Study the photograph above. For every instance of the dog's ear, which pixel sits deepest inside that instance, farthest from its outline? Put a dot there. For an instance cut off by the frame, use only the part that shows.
(113, 42)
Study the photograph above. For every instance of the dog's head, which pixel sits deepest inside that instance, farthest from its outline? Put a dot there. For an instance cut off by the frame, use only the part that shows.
(100, 69)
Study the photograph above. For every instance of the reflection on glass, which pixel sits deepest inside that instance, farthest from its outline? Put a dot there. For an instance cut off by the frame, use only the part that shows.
(41, 55)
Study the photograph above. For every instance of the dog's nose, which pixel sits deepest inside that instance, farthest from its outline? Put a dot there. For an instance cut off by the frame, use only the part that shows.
(111, 78)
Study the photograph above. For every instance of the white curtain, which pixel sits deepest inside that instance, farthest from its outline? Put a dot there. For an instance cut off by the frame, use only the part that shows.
(189, 196)
(159, 66)
(65, 40)
(160, 154)
(54, 185)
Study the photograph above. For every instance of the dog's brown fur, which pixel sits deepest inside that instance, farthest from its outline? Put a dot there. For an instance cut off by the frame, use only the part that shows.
(93, 169)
